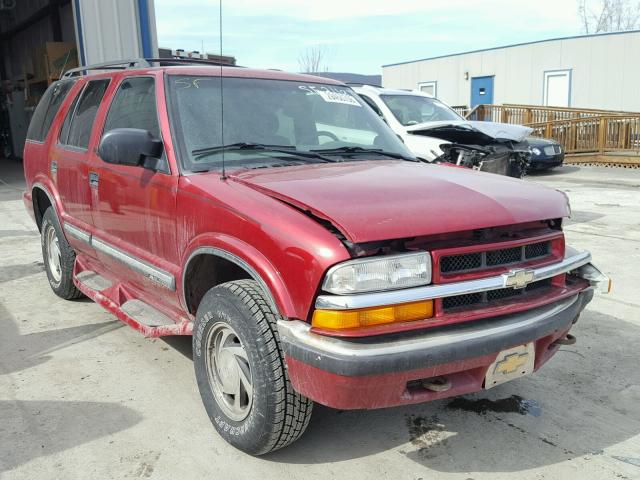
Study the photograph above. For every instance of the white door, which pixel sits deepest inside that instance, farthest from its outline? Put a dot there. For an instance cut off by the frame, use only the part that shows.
(557, 88)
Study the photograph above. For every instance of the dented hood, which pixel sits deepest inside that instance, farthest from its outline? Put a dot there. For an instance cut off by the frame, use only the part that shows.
(381, 200)
(471, 132)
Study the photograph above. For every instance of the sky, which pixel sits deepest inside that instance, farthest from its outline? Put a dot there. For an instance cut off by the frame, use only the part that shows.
(357, 36)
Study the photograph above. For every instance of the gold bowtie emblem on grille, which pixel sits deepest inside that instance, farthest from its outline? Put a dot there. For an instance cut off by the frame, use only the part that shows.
(518, 278)
(511, 363)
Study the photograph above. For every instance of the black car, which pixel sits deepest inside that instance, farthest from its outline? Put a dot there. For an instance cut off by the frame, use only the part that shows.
(545, 154)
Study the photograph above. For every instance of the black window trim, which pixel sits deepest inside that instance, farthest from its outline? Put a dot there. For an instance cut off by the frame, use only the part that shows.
(44, 139)
(75, 148)
(166, 167)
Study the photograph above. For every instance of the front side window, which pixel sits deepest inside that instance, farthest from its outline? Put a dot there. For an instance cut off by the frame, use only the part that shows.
(415, 109)
(80, 120)
(305, 119)
(47, 109)
(134, 106)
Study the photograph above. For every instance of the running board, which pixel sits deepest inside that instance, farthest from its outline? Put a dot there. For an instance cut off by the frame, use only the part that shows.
(117, 299)
(145, 314)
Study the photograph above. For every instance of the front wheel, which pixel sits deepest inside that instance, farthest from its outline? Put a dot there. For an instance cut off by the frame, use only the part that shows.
(241, 373)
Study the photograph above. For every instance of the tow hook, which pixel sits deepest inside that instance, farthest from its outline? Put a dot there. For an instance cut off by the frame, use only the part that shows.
(568, 339)
(437, 384)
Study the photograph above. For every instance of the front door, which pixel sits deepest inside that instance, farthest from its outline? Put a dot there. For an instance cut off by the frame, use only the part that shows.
(481, 91)
(134, 207)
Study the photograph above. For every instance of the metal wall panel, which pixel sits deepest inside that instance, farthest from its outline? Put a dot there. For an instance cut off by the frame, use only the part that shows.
(114, 30)
(604, 71)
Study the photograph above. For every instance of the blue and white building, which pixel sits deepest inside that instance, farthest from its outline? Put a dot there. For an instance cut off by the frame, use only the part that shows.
(589, 71)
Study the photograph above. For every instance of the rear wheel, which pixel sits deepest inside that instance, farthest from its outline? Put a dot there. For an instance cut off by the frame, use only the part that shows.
(241, 373)
(58, 257)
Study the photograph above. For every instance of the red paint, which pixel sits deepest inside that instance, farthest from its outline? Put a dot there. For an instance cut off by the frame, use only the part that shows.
(162, 218)
(390, 389)
(381, 200)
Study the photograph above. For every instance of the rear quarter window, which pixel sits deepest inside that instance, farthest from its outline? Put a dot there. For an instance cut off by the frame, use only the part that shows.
(46, 110)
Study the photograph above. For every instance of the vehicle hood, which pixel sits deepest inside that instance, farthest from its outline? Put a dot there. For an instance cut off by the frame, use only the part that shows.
(382, 200)
(471, 132)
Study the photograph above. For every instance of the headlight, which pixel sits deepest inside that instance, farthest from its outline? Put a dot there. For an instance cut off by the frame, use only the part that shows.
(536, 150)
(372, 274)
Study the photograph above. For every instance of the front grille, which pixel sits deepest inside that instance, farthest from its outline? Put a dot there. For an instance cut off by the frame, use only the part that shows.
(486, 298)
(457, 263)
(467, 262)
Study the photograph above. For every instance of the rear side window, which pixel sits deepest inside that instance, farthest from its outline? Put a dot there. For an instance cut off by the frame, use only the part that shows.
(134, 106)
(47, 109)
(83, 115)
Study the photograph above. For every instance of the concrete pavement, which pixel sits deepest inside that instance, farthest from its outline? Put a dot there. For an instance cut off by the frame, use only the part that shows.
(83, 396)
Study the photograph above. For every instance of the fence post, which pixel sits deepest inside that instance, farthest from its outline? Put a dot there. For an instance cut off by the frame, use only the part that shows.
(572, 144)
(602, 135)
(503, 115)
(528, 116)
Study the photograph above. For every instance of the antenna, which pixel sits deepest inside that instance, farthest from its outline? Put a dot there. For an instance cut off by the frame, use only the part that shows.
(224, 173)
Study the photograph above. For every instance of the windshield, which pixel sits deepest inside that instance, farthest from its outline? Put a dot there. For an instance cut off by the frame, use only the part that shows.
(415, 109)
(273, 123)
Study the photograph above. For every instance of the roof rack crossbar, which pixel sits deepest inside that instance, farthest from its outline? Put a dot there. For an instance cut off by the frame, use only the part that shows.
(113, 65)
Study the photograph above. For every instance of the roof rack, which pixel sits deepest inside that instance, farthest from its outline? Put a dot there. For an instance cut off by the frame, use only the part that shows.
(142, 63)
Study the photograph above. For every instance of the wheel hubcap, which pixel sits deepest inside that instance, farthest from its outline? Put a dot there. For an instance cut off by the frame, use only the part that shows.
(228, 372)
(54, 258)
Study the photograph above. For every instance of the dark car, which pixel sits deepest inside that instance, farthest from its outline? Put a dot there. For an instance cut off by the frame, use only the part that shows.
(545, 154)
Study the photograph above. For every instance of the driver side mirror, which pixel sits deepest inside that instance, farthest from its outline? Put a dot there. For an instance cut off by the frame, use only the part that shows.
(130, 146)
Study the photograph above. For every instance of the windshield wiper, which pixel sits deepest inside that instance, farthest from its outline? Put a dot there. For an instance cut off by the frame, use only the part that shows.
(359, 150)
(288, 149)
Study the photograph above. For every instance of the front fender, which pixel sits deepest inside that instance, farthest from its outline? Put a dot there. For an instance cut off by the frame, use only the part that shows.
(248, 258)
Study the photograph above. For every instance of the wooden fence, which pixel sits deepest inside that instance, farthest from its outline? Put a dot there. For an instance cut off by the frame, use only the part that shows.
(589, 135)
(601, 134)
(527, 114)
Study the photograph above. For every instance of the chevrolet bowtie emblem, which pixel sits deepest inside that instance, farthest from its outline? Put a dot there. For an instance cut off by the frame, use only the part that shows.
(511, 363)
(518, 278)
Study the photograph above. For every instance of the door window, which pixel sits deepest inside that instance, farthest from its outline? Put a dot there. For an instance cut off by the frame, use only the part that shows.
(134, 106)
(82, 117)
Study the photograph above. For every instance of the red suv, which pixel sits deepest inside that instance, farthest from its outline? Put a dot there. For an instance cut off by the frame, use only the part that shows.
(279, 221)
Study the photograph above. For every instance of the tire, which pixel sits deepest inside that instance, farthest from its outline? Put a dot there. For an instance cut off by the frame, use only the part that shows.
(273, 415)
(60, 271)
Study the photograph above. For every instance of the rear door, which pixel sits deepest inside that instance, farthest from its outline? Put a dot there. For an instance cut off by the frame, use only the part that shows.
(134, 207)
(71, 153)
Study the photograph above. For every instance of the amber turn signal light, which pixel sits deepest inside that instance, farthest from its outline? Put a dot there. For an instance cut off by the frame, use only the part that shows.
(366, 317)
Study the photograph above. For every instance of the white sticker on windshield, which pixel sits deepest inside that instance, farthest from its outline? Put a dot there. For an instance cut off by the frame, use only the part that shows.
(333, 95)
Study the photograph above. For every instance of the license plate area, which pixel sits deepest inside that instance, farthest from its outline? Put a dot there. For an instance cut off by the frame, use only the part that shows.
(510, 364)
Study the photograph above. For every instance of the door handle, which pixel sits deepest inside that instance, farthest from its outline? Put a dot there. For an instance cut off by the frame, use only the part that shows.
(94, 179)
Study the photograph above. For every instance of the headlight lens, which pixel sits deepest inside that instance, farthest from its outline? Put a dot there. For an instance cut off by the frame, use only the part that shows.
(536, 150)
(389, 272)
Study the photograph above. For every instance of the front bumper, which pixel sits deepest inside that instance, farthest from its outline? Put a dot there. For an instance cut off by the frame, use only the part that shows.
(379, 371)
(376, 372)
(546, 161)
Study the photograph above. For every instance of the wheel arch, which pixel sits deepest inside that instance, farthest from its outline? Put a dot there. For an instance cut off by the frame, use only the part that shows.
(43, 199)
(197, 278)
